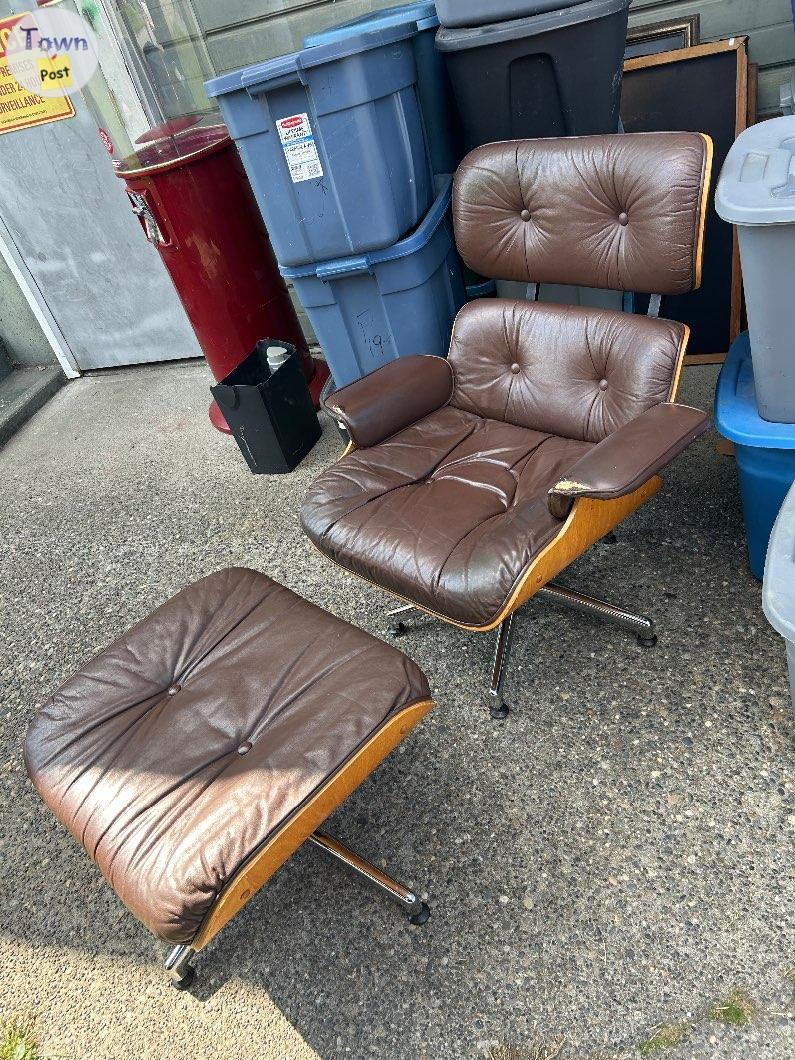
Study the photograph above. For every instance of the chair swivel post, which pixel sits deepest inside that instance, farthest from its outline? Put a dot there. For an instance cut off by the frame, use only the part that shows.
(498, 708)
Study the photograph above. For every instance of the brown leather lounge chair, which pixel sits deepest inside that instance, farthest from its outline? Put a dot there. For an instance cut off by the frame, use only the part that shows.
(471, 482)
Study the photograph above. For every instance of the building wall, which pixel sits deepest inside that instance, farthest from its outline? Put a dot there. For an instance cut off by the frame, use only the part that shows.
(240, 32)
(21, 337)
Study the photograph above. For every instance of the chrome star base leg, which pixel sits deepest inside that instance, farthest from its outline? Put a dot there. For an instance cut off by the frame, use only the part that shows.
(498, 708)
(643, 628)
(181, 972)
(399, 628)
(418, 912)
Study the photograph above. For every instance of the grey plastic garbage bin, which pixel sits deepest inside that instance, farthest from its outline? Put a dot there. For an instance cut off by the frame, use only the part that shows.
(778, 594)
(756, 192)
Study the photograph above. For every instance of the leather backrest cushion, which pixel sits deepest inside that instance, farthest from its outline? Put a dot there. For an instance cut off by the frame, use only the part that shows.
(623, 212)
(566, 370)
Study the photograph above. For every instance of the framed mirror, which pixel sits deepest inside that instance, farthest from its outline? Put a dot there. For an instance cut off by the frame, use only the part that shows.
(666, 36)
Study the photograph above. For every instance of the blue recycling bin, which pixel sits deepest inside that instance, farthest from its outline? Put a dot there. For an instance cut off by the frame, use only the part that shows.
(433, 81)
(765, 451)
(369, 309)
(333, 142)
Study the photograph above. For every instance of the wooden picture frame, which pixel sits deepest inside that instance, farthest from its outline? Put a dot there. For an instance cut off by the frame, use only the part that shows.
(669, 35)
(699, 89)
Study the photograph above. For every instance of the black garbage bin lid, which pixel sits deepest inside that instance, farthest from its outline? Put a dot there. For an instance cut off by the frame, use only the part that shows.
(452, 40)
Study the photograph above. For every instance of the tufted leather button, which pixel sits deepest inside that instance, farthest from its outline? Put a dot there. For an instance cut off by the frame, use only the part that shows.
(603, 384)
(515, 369)
(623, 219)
(174, 689)
(245, 747)
(525, 215)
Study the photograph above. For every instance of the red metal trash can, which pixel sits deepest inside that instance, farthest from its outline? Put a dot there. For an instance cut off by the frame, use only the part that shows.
(192, 197)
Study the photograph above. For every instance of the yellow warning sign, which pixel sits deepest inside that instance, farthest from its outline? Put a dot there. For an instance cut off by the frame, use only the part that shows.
(21, 108)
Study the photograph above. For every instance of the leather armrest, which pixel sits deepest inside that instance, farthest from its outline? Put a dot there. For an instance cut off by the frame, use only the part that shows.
(629, 456)
(392, 398)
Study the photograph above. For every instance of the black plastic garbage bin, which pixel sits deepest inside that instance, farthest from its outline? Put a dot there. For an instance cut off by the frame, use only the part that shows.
(269, 410)
(553, 74)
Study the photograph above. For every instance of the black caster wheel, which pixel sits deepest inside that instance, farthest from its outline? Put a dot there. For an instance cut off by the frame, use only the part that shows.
(400, 629)
(422, 917)
(500, 712)
(647, 641)
(187, 979)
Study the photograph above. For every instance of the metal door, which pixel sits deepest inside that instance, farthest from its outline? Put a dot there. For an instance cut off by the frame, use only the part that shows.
(78, 248)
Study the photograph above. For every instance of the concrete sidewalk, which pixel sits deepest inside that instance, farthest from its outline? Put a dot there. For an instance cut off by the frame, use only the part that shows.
(616, 856)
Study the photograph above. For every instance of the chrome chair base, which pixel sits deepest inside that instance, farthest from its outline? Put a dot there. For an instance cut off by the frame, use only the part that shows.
(178, 964)
(399, 628)
(498, 708)
(181, 972)
(643, 628)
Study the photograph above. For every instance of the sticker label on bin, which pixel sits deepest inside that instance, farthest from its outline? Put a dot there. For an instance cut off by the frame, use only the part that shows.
(300, 150)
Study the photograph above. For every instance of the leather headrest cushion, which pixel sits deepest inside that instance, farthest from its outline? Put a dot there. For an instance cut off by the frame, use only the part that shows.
(624, 212)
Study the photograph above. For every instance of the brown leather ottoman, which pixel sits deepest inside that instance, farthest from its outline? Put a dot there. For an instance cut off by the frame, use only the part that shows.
(193, 756)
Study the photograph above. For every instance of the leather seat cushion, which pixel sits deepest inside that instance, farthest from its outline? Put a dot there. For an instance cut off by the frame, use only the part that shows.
(153, 784)
(446, 514)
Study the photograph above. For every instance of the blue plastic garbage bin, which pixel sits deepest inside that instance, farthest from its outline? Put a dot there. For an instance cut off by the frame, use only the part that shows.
(433, 82)
(333, 142)
(486, 289)
(765, 451)
(370, 309)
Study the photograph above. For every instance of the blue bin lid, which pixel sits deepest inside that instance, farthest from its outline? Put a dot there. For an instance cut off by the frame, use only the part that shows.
(422, 14)
(736, 415)
(418, 239)
(285, 66)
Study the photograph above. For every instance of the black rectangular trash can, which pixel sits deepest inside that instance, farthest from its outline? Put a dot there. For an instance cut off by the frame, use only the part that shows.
(269, 411)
